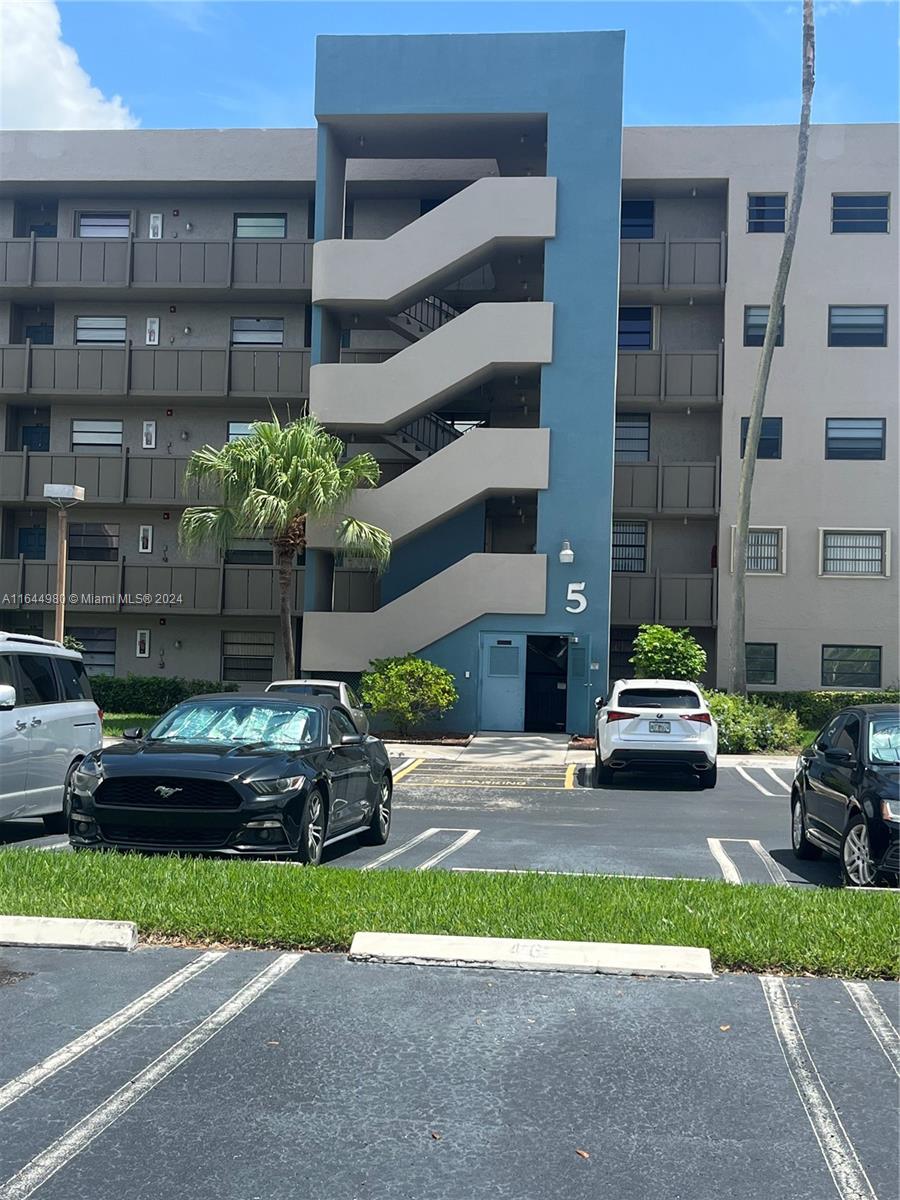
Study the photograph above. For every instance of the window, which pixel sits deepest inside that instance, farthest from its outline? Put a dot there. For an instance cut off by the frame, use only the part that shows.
(503, 659)
(145, 539)
(260, 225)
(851, 666)
(866, 213)
(99, 653)
(104, 224)
(853, 552)
(756, 317)
(857, 325)
(249, 550)
(311, 218)
(108, 330)
(73, 679)
(847, 735)
(765, 212)
(142, 643)
(629, 546)
(636, 328)
(339, 726)
(621, 647)
(239, 429)
(769, 438)
(761, 662)
(765, 551)
(257, 331)
(633, 437)
(38, 679)
(93, 541)
(247, 656)
(637, 219)
(657, 697)
(855, 437)
(94, 435)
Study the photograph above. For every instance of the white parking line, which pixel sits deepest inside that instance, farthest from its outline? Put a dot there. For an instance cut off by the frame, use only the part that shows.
(28, 1080)
(35, 1173)
(846, 1170)
(749, 778)
(781, 783)
(877, 1020)
(466, 835)
(775, 872)
(730, 873)
(398, 850)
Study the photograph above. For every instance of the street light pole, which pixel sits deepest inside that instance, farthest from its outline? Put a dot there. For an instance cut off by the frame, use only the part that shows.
(63, 496)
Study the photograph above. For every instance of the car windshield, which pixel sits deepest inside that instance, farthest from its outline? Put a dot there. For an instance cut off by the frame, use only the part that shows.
(240, 723)
(657, 698)
(306, 689)
(884, 739)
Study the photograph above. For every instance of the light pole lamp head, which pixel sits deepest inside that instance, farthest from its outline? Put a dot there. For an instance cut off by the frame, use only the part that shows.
(63, 494)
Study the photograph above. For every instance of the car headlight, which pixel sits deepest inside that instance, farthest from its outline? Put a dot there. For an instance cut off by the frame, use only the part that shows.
(88, 771)
(890, 810)
(275, 787)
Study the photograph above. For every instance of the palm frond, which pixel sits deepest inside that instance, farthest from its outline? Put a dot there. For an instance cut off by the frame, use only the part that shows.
(359, 539)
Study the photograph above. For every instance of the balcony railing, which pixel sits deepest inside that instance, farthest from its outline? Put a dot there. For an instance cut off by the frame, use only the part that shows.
(146, 263)
(667, 488)
(153, 371)
(673, 376)
(673, 263)
(664, 598)
(106, 478)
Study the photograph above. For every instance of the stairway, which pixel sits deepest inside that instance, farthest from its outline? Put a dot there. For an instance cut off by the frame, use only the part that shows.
(422, 318)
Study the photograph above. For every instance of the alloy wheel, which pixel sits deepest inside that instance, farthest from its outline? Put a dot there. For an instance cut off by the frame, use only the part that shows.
(384, 809)
(797, 830)
(857, 858)
(314, 828)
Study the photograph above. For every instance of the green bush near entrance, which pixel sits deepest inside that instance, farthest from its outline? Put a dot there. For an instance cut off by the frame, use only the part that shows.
(664, 653)
(813, 709)
(407, 692)
(149, 693)
(747, 726)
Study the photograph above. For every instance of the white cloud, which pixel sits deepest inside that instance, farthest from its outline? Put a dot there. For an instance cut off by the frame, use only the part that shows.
(42, 84)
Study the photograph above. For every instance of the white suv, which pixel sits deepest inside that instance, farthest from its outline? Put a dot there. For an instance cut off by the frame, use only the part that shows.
(658, 723)
(48, 723)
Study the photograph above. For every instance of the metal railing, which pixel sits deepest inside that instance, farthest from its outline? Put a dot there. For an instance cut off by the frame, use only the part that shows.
(430, 432)
(672, 599)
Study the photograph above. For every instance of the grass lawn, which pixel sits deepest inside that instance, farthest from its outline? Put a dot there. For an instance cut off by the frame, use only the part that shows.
(757, 927)
(115, 723)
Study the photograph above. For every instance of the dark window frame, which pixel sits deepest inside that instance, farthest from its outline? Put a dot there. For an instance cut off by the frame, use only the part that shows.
(840, 554)
(639, 447)
(635, 228)
(758, 339)
(858, 685)
(857, 209)
(624, 558)
(767, 441)
(650, 329)
(122, 341)
(227, 669)
(108, 213)
(757, 219)
(832, 452)
(751, 678)
(277, 237)
(103, 548)
(256, 320)
(27, 680)
(843, 343)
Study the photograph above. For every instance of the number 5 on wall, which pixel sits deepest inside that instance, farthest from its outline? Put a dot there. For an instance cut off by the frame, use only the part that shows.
(577, 600)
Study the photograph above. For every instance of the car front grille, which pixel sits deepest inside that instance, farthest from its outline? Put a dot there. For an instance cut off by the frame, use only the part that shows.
(152, 835)
(142, 791)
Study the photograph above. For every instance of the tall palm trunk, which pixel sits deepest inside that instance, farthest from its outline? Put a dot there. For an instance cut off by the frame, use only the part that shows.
(758, 401)
(285, 562)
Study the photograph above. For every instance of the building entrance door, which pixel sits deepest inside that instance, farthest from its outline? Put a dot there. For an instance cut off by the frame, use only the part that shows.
(546, 683)
(503, 681)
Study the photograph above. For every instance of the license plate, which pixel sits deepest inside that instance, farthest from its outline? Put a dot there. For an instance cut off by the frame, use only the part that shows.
(660, 726)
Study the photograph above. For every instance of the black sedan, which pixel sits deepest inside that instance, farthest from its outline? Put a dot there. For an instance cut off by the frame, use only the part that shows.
(845, 798)
(237, 775)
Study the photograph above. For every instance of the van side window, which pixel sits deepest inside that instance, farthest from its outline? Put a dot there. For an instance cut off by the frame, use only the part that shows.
(7, 675)
(38, 680)
(73, 679)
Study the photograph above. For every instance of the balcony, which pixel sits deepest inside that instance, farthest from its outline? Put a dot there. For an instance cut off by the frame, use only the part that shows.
(472, 587)
(655, 268)
(481, 463)
(217, 590)
(666, 489)
(140, 265)
(106, 478)
(165, 372)
(438, 248)
(484, 340)
(664, 599)
(669, 378)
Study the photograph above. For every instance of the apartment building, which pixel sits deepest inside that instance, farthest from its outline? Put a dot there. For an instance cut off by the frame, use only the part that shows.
(544, 327)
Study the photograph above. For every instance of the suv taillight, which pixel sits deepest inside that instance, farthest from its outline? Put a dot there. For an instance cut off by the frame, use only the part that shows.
(702, 717)
(615, 715)
(100, 712)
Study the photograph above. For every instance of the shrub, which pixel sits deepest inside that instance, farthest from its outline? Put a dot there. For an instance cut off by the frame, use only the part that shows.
(813, 709)
(72, 643)
(149, 693)
(747, 725)
(664, 653)
(407, 691)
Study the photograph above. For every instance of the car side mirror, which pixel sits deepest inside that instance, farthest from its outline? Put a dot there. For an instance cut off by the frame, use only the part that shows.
(840, 757)
(7, 697)
(133, 734)
(352, 739)
(599, 702)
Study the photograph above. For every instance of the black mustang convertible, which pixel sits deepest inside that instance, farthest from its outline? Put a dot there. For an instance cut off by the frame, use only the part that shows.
(238, 775)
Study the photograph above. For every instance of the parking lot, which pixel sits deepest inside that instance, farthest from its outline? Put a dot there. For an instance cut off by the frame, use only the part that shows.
(464, 817)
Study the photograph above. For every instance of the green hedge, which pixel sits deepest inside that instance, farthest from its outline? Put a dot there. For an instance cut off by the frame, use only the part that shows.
(813, 709)
(749, 725)
(149, 693)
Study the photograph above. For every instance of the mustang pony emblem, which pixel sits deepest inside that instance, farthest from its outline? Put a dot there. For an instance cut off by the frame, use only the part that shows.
(166, 792)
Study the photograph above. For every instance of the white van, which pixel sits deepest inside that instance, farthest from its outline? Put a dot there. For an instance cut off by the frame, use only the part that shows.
(48, 723)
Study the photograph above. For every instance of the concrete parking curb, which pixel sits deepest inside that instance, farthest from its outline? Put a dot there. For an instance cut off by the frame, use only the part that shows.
(516, 954)
(67, 933)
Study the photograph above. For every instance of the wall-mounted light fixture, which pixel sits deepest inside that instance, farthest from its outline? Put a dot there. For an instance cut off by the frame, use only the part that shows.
(187, 329)
(566, 553)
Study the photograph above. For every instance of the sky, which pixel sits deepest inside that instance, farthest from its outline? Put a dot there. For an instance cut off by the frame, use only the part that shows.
(96, 64)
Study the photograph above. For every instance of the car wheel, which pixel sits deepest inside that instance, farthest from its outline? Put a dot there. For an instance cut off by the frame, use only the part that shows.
(312, 830)
(802, 846)
(709, 776)
(602, 773)
(58, 822)
(857, 868)
(379, 828)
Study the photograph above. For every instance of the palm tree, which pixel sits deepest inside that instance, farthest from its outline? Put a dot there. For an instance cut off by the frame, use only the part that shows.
(271, 483)
(758, 400)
